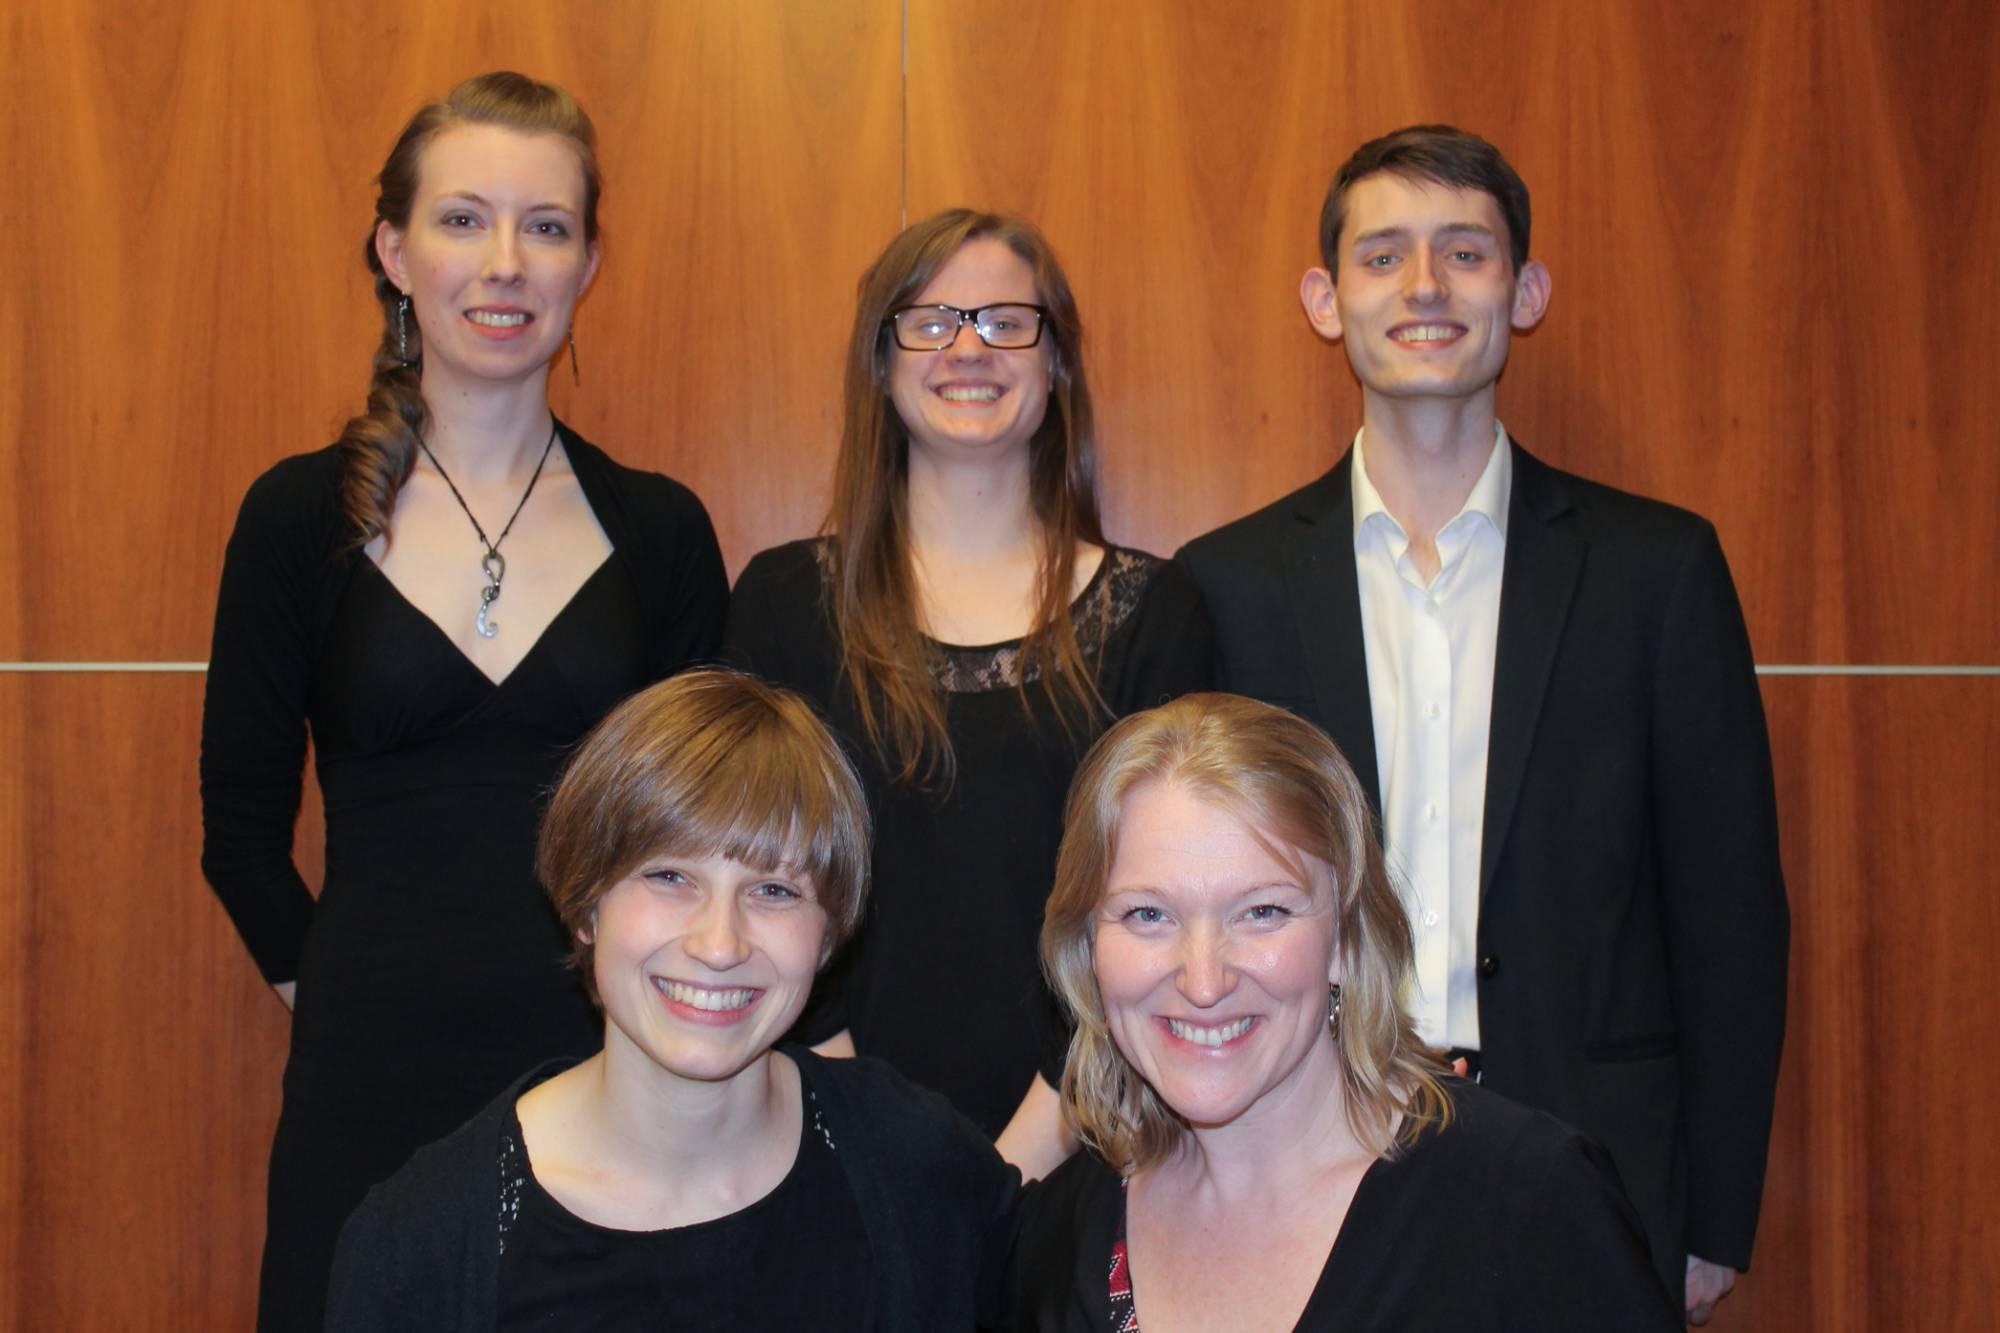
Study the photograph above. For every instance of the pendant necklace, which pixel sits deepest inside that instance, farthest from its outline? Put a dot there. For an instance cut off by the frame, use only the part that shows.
(493, 565)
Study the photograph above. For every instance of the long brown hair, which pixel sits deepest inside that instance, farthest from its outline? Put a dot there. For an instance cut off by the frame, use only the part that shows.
(378, 448)
(884, 652)
(1284, 778)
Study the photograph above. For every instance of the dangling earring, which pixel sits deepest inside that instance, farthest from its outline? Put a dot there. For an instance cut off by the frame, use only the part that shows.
(1333, 1008)
(575, 376)
(403, 330)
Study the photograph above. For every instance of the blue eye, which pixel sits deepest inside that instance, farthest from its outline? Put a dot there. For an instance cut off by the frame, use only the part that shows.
(1267, 912)
(1145, 916)
(772, 890)
(549, 227)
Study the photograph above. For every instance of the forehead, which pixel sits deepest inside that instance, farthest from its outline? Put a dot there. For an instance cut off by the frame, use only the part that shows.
(1387, 201)
(492, 161)
(983, 271)
(1174, 840)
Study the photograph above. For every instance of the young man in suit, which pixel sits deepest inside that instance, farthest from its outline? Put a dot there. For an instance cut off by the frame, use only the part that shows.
(1547, 686)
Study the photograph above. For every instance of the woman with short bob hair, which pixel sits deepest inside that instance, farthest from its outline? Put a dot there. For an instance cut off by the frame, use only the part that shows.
(1270, 1145)
(708, 849)
(965, 625)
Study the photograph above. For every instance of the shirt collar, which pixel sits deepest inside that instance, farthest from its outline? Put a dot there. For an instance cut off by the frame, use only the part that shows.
(1489, 498)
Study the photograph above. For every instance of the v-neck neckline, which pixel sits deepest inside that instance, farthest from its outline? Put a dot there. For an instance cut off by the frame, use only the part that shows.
(493, 684)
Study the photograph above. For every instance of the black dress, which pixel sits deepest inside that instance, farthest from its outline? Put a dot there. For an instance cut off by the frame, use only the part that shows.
(430, 971)
(944, 981)
(1507, 1219)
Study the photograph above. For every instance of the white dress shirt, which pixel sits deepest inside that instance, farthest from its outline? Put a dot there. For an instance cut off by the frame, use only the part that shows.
(1430, 687)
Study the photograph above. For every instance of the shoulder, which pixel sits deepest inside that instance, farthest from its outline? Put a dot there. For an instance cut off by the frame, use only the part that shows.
(793, 568)
(1623, 516)
(1518, 1152)
(651, 495)
(1079, 1196)
(875, 1107)
(303, 489)
(1251, 537)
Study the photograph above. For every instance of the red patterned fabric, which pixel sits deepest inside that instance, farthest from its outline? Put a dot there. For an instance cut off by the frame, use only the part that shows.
(1124, 1313)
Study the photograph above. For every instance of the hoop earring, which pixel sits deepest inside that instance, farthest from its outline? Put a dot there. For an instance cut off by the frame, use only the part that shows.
(575, 376)
(403, 330)
(1333, 1008)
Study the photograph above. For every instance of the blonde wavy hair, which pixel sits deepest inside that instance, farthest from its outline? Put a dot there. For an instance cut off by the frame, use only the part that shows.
(1285, 779)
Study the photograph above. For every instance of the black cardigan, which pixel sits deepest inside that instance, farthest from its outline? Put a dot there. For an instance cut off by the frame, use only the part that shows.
(1506, 1219)
(423, 1252)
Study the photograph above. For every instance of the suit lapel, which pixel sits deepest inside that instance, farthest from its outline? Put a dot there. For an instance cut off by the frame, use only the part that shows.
(1544, 557)
(1326, 599)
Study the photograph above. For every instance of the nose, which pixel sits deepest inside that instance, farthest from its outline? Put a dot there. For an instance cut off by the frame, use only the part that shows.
(1426, 278)
(715, 937)
(503, 256)
(966, 344)
(1206, 977)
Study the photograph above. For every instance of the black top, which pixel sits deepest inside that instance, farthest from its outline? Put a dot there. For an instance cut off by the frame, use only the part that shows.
(431, 965)
(944, 981)
(1505, 1219)
(932, 1197)
(796, 1258)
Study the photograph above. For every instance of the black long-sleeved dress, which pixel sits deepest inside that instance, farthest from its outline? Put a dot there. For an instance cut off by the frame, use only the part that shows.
(943, 981)
(430, 971)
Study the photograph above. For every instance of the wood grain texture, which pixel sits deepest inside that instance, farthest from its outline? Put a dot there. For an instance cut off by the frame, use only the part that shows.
(1880, 1210)
(144, 1052)
(190, 305)
(1756, 218)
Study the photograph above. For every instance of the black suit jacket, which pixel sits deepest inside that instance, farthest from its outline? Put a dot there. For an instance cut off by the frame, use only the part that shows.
(1632, 922)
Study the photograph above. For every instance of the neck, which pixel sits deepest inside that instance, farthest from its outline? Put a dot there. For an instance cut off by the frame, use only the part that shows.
(970, 509)
(495, 434)
(1425, 455)
(653, 1121)
(1309, 1115)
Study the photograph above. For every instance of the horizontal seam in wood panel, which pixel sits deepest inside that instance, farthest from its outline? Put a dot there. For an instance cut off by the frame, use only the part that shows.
(1774, 669)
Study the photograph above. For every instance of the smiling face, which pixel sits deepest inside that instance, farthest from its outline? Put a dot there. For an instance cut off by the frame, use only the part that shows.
(1425, 295)
(703, 962)
(968, 396)
(494, 257)
(1213, 957)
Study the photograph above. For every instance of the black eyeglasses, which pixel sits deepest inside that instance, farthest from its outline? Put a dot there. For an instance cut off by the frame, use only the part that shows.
(931, 328)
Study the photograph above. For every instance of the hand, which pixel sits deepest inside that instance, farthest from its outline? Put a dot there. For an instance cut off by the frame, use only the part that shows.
(1707, 1284)
(288, 991)
(1461, 1068)
(1037, 1139)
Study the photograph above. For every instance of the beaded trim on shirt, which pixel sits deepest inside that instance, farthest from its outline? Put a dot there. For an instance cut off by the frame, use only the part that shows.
(513, 1183)
(1098, 613)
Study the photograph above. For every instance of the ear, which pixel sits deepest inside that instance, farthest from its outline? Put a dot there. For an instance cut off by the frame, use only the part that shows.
(389, 249)
(1531, 295)
(587, 932)
(1316, 294)
(595, 258)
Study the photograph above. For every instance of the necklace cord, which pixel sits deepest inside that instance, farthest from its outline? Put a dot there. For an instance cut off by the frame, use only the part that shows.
(493, 547)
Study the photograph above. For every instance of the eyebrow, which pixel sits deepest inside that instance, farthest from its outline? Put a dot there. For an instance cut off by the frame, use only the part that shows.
(1448, 229)
(469, 197)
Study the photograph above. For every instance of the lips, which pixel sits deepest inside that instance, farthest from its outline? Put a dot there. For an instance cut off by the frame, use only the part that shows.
(709, 1004)
(969, 393)
(1427, 334)
(1209, 1034)
(499, 322)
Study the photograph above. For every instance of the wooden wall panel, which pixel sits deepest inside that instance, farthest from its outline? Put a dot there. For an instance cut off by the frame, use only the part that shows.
(1880, 1210)
(144, 1051)
(190, 303)
(1755, 218)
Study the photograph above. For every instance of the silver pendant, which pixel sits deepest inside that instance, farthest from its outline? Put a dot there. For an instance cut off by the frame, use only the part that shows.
(494, 566)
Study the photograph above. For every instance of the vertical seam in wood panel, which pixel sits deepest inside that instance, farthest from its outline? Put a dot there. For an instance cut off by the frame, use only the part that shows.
(903, 158)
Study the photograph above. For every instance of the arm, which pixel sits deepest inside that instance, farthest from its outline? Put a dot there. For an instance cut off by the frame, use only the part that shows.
(1722, 897)
(253, 730)
(695, 594)
(1172, 648)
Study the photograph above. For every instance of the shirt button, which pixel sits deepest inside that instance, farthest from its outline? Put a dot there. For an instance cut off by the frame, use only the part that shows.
(1489, 966)
(1433, 709)
(1430, 918)
(1431, 812)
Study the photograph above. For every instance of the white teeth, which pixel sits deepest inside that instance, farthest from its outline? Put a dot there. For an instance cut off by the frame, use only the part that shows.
(984, 393)
(495, 320)
(1427, 333)
(700, 997)
(1208, 1036)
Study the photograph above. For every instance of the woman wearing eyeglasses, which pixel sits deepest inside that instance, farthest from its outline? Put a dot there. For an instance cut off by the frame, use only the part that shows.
(965, 625)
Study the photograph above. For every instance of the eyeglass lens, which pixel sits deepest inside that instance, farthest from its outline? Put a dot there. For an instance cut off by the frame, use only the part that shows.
(931, 327)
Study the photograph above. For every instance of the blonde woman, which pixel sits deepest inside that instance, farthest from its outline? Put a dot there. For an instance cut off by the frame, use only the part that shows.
(1269, 1146)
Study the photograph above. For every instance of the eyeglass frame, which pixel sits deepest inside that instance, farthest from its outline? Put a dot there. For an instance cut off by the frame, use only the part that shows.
(966, 317)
